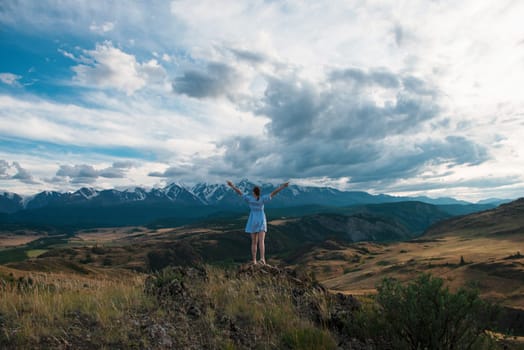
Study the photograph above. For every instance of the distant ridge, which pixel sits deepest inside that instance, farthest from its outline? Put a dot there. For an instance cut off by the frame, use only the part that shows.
(506, 219)
(210, 194)
(176, 204)
(496, 201)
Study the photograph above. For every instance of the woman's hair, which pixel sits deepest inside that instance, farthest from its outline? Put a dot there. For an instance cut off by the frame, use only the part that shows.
(256, 191)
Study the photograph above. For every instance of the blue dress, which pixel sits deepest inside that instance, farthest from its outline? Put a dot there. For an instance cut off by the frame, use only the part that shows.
(257, 218)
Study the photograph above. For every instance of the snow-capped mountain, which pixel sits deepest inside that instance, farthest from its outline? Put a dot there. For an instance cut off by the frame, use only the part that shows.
(178, 193)
(43, 199)
(202, 195)
(10, 202)
(179, 204)
(211, 194)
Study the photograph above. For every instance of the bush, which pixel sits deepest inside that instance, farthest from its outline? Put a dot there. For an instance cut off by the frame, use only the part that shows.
(425, 315)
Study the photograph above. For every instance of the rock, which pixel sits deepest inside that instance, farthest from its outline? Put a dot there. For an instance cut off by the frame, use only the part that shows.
(194, 311)
(161, 336)
(180, 290)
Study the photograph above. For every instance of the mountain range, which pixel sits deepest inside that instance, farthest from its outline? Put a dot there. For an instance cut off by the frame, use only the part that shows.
(183, 204)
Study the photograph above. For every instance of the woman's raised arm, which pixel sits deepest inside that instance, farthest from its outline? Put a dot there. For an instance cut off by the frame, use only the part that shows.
(284, 185)
(230, 184)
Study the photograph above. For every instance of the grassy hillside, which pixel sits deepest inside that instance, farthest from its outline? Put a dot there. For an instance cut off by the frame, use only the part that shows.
(190, 308)
(483, 248)
(505, 220)
(244, 307)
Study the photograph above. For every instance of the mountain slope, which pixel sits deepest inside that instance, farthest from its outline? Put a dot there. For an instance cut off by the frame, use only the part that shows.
(481, 249)
(507, 219)
(416, 217)
(10, 202)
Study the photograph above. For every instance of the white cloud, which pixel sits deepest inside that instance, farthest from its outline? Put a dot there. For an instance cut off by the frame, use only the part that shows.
(109, 67)
(15, 171)
(67, 54)
(10, 79)
(102, 28)
(85, 173)
(136, 123)
(153, 71)
(42, 167)
(112, 68)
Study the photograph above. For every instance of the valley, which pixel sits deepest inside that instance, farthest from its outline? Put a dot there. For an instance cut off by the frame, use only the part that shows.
(349, 250)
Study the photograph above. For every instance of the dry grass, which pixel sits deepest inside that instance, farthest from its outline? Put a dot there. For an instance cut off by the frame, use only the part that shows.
(112, 310)
(110, 235)
(52, 307)
(7, 240)
(34, 253)
(264, 308)
(440, 257)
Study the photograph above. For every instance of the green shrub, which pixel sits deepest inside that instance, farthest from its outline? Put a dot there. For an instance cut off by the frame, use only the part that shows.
(425, 315)
(162, 279)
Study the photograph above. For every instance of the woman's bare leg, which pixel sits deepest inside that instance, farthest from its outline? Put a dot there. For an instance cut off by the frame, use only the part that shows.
(254, 239)
(262, 246)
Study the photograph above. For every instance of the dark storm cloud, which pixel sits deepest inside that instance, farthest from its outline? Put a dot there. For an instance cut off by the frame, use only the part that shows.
(417, 86)
(362, 161)
(4, 166)
(336, 129)
(433, 183)
(84, 173)
(456, 149)
(300, 109)
(78, 174)
(124, 164)
(171, 172)
(117, 170)
(452, 150)
(249, 56)
(112, 173)
(274, 158)
(293, 108)
(21, 174)
(218, 79)
(378, 77)
(399, 35)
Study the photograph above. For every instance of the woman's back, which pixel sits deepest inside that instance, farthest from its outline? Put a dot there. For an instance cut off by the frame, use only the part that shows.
(256, 204)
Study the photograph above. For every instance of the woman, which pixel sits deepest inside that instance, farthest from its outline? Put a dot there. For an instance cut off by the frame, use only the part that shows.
(256, 223)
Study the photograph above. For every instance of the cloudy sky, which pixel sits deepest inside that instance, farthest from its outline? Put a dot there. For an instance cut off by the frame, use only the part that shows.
(397, 97)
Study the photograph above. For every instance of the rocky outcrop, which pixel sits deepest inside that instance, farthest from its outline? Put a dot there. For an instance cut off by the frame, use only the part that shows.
(196, 313)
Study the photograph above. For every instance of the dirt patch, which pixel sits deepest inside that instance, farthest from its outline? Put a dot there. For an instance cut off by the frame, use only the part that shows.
(16, 240)
(281, 222)
(506, 270)
(424, 240)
